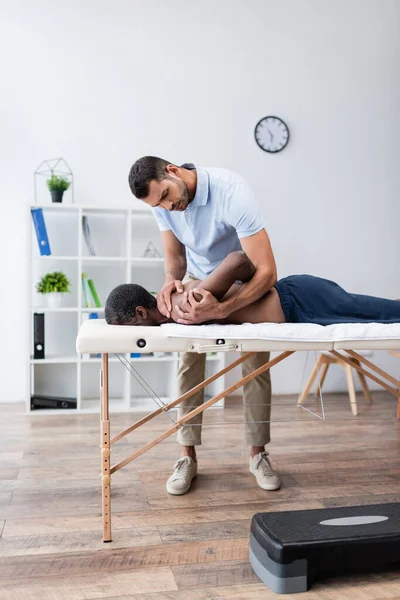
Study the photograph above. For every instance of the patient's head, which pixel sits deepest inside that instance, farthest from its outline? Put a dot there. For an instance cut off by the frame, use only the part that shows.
(131, 304)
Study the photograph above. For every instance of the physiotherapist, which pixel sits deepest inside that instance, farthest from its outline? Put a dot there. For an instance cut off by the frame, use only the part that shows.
(204, 214)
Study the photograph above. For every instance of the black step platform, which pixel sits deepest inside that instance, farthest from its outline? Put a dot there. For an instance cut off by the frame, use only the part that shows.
(287, 549)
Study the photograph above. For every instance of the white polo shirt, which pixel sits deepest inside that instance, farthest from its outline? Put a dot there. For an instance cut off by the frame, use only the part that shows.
(222, 212)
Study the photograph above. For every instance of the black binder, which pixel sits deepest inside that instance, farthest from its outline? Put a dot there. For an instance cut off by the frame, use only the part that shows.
(38, 335)
(41, 401)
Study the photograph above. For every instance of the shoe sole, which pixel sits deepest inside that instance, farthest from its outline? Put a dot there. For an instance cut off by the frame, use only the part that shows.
(268, 488)
(181, 492)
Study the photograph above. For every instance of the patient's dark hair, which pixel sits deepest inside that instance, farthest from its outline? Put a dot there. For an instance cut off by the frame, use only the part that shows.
(145, 170)
(121, 304)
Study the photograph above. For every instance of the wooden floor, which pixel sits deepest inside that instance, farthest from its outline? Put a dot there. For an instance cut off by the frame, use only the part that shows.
(192, 547)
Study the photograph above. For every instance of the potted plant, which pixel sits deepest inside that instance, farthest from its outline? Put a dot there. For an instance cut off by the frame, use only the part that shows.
(54, 285)
(57, 187)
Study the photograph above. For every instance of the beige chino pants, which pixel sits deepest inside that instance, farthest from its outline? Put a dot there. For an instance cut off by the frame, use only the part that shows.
(256, 397)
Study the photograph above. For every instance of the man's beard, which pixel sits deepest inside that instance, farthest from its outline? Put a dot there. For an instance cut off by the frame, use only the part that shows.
(184, 199)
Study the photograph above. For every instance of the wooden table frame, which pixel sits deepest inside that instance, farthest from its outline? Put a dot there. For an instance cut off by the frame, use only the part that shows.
(105, 442)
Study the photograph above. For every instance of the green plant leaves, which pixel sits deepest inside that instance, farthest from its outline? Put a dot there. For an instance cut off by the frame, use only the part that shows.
(58, 183)
(53, 282)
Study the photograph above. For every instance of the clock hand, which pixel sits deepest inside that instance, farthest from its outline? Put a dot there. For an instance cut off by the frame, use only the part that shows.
(271, 136)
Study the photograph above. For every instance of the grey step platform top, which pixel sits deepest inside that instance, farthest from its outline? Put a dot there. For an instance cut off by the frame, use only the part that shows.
(288, 548)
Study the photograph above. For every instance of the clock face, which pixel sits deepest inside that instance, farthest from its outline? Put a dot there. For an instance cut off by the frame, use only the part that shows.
(271, 134)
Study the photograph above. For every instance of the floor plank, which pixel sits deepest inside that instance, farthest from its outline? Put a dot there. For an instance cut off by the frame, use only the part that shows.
(216, 574)
(69, 542)
(50, 525)
(121, 559)
(96, 585)
(346, 589)
(191, 547)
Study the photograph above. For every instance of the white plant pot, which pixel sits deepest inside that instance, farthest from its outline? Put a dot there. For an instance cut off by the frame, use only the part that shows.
(54, 299)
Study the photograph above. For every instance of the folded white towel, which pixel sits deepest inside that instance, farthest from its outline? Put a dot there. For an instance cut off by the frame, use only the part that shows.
(305, 332)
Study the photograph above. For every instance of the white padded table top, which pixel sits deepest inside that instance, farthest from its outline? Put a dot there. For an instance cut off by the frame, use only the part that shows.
(96, 336)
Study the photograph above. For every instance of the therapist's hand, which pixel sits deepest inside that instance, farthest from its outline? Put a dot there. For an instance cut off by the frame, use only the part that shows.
(194, 311)
(164, 304)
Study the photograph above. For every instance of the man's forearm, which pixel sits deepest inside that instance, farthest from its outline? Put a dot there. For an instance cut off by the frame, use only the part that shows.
(174, 268)
(261, 282)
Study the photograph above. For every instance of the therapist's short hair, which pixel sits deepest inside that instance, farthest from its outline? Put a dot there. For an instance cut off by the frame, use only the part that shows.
(143, 171)
(123, 300)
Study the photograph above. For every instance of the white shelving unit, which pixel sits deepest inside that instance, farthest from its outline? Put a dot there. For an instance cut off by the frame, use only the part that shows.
(119, 237)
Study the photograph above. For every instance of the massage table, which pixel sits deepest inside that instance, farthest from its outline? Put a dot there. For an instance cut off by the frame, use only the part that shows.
(341, 340)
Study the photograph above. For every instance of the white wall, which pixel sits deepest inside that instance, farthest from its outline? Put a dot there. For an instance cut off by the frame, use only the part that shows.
(102, 83)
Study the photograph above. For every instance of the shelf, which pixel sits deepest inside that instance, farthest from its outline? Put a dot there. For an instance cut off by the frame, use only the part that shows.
(71, 360)
(67, 309)
(137, 403)
(145, 399)
(53, 411)
(154, 359)
(97, 210)
(45, 309)
(86, 361)
(53, 360)
(142, 359)
(146, 403)
(147, 261)
(93, 404)
(106, 259)
(140, 208)
(54, 257)
(53, 207)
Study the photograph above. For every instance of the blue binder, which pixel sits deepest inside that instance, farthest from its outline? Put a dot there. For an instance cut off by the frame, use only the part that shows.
(94, 315)
(41, 231)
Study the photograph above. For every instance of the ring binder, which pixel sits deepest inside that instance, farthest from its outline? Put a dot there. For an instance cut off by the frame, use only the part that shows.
(41, 231)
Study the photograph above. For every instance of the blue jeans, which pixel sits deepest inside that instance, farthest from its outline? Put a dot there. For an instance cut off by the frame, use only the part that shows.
(309, 299)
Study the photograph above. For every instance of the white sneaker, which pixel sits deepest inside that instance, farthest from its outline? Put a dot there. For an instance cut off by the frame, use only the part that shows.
(261, 468)
(185, 469)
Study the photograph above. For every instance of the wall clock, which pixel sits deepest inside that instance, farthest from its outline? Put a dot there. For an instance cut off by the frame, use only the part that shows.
(271, 134)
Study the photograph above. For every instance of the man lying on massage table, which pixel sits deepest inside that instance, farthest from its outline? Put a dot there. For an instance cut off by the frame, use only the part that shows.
(294, 299)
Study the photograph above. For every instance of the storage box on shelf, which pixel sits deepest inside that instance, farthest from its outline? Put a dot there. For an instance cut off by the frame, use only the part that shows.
(127, 244)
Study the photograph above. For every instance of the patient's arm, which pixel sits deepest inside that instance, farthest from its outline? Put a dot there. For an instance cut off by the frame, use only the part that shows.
(221, 284)
(235, 267)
